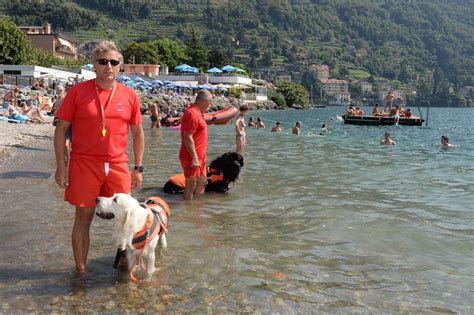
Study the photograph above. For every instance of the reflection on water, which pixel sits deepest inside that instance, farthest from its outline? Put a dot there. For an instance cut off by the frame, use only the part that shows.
(334, 223)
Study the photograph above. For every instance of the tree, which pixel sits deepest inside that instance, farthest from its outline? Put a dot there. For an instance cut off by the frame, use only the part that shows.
(217, 58)
(295, 94)
(170, 52)
(15, 47)
(197, 52)
(140, 53)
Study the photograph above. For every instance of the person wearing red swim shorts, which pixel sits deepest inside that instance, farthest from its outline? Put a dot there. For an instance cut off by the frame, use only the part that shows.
(100, 111)
(192, 154)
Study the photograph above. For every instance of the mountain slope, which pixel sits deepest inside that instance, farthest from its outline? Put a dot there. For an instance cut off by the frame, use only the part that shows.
(399, 40)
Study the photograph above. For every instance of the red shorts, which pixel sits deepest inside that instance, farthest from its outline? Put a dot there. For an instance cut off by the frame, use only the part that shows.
(194, 171)
(89, 179)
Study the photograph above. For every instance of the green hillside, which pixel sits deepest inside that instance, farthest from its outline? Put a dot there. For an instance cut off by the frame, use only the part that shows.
(398, 40)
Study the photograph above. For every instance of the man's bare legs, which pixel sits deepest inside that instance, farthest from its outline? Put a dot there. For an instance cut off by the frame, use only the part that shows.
(80, 236)
(194, 185)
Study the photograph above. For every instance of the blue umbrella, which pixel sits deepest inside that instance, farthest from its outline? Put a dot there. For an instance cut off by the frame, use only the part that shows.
(183, 66)
(157, 82)
(139, 79)
(214, 70)
(228, 68)
(123, 78)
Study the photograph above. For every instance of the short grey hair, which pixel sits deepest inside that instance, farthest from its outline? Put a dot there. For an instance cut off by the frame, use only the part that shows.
(105, 46)
(203, 95)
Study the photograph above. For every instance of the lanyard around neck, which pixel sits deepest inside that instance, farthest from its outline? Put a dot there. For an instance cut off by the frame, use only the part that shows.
(103, 108)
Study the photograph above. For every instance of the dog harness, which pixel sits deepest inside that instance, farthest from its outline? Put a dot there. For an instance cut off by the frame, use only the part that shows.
(156, 223)
(213, 176)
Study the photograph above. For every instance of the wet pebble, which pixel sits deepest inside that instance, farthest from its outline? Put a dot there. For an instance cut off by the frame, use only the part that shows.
(55, 301)
(159, 307)
(110, 306)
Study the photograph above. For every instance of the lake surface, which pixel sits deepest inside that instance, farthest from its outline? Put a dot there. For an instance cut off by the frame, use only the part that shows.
(316, 224)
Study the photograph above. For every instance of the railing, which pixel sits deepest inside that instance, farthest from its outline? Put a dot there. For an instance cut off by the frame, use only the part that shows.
(16, 80)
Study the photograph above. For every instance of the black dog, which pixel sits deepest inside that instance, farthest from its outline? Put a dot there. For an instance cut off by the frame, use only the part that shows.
(220, 173)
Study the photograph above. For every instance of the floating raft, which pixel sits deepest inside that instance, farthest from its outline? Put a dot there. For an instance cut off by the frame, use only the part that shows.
(381, 121)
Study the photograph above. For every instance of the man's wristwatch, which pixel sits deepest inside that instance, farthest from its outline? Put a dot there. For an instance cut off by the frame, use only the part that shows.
(140, 168)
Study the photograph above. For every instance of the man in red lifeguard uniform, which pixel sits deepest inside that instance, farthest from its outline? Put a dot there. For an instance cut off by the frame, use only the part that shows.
(194, 145)
(100, 112)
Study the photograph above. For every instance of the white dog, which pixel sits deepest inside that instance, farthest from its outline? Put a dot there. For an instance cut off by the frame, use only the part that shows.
(137, 227)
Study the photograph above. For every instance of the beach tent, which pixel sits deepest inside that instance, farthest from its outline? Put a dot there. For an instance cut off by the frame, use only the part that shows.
(228, 68)
(214, 70)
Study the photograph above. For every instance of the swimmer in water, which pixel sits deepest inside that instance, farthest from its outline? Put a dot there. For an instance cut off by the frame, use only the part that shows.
(297, 128)
(387, 140)
(445, 143)
(324, 129)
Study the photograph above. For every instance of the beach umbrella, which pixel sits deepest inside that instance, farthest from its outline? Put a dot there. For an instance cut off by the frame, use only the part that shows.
(214, 70)
(123, 78)
(239, 70)
(138, 79)
(157, 82)
(183, 66)
(228, 68)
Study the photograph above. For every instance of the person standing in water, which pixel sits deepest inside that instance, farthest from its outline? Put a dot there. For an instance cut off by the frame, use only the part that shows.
(102, 112)
(260, 123)
(240, 129)
(193, 151)
(277, 127)
(297, 128)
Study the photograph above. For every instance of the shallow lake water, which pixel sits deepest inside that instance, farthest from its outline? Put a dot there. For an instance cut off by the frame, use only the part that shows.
(334, 223)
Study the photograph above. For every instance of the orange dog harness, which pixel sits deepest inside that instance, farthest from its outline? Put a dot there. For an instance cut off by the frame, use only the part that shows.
(156, 224)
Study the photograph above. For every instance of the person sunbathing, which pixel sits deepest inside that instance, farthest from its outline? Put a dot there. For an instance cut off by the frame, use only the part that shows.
(375, 111)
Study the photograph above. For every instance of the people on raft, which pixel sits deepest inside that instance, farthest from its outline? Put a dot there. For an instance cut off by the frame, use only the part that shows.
(376, 110)
(260, 123)
(297, 128)
(222, 172)
(387, 140)
(396, 115)
(389, 101)
(277, 127)
(351, 111)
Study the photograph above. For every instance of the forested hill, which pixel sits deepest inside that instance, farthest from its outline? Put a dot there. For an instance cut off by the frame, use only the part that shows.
(398, 40)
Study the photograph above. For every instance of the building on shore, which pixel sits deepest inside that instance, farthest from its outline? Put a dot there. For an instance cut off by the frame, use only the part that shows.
(24, 75)
(400, 97)
(149, 70)
(336, 91)
(44, 38)
(365, 86)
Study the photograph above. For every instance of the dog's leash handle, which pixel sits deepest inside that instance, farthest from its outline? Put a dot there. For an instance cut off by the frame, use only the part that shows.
(120, 253)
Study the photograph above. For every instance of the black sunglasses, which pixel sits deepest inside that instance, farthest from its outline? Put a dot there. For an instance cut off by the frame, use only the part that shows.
(113, 62)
